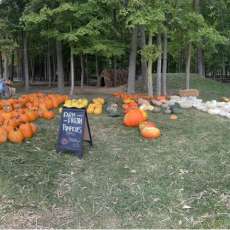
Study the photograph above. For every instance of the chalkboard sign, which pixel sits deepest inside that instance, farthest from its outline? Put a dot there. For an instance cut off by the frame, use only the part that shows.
(74, 129)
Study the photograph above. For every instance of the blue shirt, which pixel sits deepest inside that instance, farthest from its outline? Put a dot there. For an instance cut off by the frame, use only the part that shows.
(2, 86)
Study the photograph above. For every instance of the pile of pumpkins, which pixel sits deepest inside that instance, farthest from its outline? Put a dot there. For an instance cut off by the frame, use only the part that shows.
(76, 103)
(219, 108)
(96, 107)
(137, 117)
(17, 116)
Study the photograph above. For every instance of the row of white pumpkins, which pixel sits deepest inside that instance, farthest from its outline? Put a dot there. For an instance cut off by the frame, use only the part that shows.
(212, 107)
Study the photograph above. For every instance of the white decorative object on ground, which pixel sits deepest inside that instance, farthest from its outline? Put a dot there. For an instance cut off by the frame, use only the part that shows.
(212, 107)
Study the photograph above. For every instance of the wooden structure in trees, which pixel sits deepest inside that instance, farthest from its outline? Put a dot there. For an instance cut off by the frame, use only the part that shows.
(113, 78)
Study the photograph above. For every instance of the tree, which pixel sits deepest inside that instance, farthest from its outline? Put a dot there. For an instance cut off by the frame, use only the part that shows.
(150, 15)
(192, 31)
(132, 61)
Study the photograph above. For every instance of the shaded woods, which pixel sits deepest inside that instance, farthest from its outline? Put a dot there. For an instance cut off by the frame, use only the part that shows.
(70, 43)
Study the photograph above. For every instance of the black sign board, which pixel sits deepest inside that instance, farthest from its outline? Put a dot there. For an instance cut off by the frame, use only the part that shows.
(74, 129)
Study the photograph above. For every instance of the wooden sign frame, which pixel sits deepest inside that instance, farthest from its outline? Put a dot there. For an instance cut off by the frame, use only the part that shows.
(85, 134)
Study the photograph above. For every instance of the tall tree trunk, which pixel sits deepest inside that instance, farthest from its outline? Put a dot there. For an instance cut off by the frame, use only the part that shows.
(188, 65)
(86, 69)
(159, 65)
(40, 74)
(143, 60)
(115, 72)
(12, 67)
(54, 68)
(19, 64)
(132, 62)
(49, 66)
(200, 54)
(150, 70)
(200, 62)
(196, 5)
(45, 67)
(60, 68)
(26, 63)
(223, 68)
(82, 71)
(33, 69)
(165, 64)
(180, 61)
(72, 72)
(5, 67)
(97, 72)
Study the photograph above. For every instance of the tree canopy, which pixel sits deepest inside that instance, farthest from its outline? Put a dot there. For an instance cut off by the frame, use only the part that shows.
(161, 35)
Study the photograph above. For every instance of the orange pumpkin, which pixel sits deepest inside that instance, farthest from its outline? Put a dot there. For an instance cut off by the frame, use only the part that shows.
(17, 105)
(150, 132)
(1, 119)
(147, 124)
(134, 117)
(15, 136)
(8, 128)
(48, 104)
(32, 115)
(161, 98)
(6, 115)
(26, 130)
(173, 117)
(12, 122)
(48, 115)
(3, 135)
(24, 118)
(129, 106)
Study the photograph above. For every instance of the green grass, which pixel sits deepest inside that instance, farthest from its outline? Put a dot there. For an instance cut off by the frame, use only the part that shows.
(209, 89)
(181, 180)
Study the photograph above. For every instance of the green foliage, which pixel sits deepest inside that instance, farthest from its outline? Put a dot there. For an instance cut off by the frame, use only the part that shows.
(7, 44)
(151, 52)
(102, 27)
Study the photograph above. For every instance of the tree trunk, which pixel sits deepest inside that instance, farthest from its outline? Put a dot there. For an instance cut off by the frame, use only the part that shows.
(19, 64)
(40, 75)
(115, 72)
(82, 71)
(49, 66)
(71, 72)
(86, 70)
(5, 67)
(54, 68)
(60, 69)
(200, 54)
(188, 65)
(26, 63)
(165, 64)
(223, 68)
(132, 62)
(97, 72)
(200, 62)
(12, 67)
(150, 70)
(31, 63)
(143, 60)
(196, 5)
(45, 67)
(159, 65)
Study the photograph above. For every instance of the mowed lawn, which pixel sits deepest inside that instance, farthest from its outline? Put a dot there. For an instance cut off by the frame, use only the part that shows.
(181, 180)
